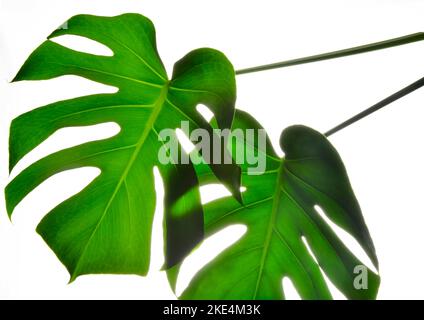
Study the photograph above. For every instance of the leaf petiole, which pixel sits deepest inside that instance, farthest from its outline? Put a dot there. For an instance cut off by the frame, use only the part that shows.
(415, 37)
(379, 105)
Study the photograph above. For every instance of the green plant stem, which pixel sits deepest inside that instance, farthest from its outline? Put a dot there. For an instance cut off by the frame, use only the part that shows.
(338, 54)
(415, 37)
(401, 93)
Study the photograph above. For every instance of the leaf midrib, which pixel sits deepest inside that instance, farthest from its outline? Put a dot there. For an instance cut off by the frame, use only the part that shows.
(271, 229)
(274, 210)
(157, 107)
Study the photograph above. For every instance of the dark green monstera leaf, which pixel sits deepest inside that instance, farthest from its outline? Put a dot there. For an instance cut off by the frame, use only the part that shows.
(106, 228)
(279, 211)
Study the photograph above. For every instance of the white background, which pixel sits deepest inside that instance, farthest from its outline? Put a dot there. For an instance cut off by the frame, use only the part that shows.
(383, 153)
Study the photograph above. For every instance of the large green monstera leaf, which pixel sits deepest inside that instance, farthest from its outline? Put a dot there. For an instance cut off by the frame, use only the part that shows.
(106, 228)
(279, 211)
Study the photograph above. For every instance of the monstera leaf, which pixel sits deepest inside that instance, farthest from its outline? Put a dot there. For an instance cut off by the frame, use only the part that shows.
(279, 211)
(106, 228)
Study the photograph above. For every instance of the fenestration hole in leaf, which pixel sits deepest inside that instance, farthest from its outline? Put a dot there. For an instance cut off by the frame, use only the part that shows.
(289, 290)
(157, 258)
(305, 242)
(349, 241)
(211, 192)
(66, 138)
(185, 142)
(335, 292)
(82, 44)
(205, 112)
(208, 250)
(71, 182)
(43, 93)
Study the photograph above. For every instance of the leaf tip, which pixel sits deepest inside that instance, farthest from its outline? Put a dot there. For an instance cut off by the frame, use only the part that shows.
(238, 197)
(172, 275)
(10, 207)
(73, 277)
(20, 75)
(232, 181)
(9, 215)
(12, 163)
(15, 78)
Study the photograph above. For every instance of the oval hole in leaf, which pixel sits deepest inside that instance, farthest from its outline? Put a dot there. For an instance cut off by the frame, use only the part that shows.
(211, 192)
(82, 44)
(205, 112)
(349, 241)
(65, 138)
(208, 250)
